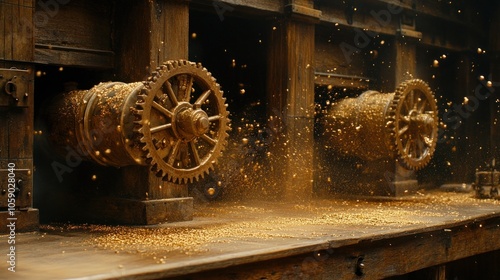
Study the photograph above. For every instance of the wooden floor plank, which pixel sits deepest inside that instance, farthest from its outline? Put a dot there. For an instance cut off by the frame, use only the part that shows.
(226, 237)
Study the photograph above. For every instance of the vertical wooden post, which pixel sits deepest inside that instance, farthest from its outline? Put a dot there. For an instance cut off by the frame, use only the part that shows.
(16, 123)
(405, 54)
(406, 67)
(467, 137)
(406, 60)
(291, 96)
(161, 34)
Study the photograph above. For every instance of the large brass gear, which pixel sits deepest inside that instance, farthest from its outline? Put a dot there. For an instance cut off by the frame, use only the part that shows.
(413, 124)
(182, 121)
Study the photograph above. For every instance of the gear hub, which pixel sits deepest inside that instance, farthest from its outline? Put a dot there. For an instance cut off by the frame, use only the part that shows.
(401, 125)
(176, 122)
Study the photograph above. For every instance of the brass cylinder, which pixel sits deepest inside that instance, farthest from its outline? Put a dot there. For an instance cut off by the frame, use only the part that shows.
(98, 124)
(356, 126)
(400, 125)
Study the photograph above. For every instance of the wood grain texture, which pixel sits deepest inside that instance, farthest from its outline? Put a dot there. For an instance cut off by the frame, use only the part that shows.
(291, 101)
(16, 123)
(162, 34)
(277, 241)
(77, 33)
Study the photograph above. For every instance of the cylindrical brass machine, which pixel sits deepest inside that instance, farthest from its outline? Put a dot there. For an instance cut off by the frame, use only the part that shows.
(176, 122)
(401, 125)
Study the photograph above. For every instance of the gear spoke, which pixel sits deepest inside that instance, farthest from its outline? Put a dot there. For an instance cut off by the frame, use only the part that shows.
(196, 156)
(410, 100)
(423, 105)
(210, 140)
(416, 99)
(403, 130)
(161, 127)
(186, 85)
(214, 118)
(162, 109)
(171, 93)
(174, 153)
(405, 109)
(407, 146)
(202, 99)
(421, 147)
(409, 104)
(413, 153)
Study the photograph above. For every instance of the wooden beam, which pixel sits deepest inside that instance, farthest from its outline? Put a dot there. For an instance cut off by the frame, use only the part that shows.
(71, 56)
(291, 100)
(16, 123)
(380, 257)
(237, 6)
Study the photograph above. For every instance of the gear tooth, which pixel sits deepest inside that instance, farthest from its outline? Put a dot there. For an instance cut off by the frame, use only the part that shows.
(138, 112)
(140, 106)
(138, 122)
(159, 173)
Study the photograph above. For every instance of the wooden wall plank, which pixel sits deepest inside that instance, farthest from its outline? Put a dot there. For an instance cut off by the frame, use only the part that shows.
(176, 21)
(69, 57)
(140, 52)
(24, 32)
(8, 14)
(79, 31)
(3, 18)
(133, 58)
(79, 23)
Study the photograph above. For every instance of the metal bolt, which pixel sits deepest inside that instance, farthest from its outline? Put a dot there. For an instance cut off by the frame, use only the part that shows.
(360, 267)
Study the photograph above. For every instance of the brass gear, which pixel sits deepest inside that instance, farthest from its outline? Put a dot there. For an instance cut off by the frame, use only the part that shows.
(182, 121)
(413, 124)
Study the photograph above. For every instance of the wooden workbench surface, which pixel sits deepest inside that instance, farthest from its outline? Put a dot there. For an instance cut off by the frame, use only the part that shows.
(240, 233)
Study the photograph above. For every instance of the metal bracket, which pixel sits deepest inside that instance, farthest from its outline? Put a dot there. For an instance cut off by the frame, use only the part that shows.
(14, 87)
(22, 185)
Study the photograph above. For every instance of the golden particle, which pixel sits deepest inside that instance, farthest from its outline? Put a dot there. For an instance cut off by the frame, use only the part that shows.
(210, 191)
